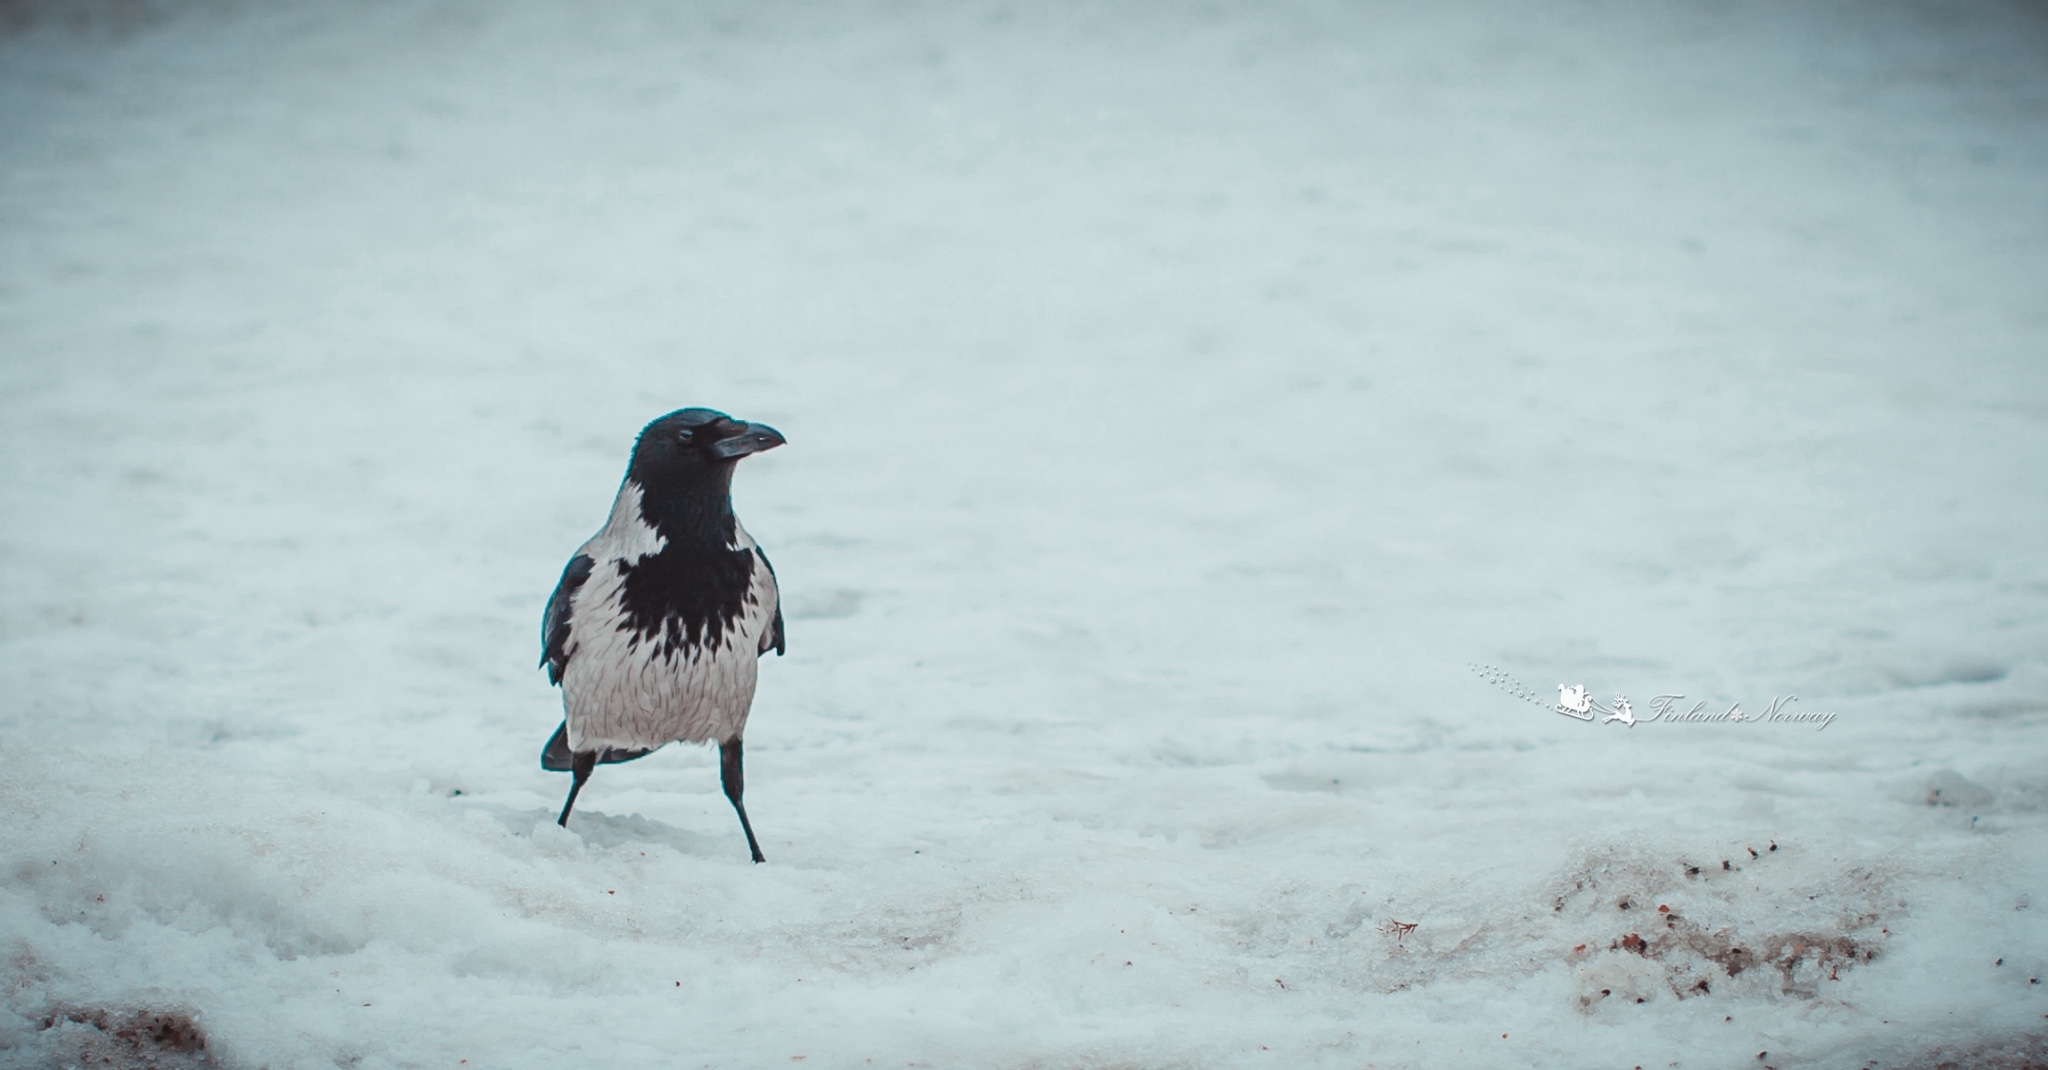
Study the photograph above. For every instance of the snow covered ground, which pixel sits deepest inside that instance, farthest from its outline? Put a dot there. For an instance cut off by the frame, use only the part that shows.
(1181, 400)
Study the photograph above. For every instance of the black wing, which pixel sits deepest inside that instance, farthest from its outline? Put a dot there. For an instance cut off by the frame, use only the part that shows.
(772, 639)
(554, 625)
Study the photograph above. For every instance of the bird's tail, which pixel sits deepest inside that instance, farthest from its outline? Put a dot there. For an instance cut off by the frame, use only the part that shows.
(556, 757)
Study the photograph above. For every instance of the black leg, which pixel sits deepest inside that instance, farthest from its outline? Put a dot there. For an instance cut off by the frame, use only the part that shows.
(735, 781)
(584, 762)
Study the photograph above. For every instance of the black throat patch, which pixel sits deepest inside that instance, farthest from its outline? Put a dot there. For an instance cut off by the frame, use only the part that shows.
(691, 593)
(685, 597)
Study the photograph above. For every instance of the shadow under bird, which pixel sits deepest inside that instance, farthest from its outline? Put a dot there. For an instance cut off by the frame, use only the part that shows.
(655, 631)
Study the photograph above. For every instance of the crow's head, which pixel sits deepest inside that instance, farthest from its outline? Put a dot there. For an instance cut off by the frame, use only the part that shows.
(683, 464)
(689, 444)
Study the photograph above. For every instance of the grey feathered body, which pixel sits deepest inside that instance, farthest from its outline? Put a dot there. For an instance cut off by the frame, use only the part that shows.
(639, 672)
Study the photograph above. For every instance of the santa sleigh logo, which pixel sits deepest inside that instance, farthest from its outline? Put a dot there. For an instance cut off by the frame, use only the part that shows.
(1574, 702)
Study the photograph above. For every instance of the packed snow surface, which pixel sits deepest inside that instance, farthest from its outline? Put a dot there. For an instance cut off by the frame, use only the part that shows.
(1215, 435)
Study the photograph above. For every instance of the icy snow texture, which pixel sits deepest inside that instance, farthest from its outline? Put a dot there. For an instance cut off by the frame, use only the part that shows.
(1179, 400)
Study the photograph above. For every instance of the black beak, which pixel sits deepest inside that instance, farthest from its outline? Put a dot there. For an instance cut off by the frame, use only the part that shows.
(752, 439)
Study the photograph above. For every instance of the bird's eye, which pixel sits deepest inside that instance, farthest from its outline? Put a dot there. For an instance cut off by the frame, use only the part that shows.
(685, 435)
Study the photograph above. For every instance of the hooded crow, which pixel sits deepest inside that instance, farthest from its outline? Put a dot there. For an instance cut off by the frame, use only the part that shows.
(654, 631)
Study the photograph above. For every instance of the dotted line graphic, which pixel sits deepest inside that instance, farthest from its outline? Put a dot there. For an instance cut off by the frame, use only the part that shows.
(1498, 677)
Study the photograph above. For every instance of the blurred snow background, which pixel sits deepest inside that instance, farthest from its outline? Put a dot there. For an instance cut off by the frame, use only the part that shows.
(1180, 399)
